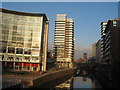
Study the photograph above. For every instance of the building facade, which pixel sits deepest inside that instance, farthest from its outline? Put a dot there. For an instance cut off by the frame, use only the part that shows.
(24, 40)
(85, 56)
(111, 50)
(98, 52)
(64, 41)
(103, 26)
(94, 50)
(111, 41)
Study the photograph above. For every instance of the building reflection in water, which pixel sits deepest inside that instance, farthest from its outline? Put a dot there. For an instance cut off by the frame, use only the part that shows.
(67, 85)
(76, 83)
(82, 82)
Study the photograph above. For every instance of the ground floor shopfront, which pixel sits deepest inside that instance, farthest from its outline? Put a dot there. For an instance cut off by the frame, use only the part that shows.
(23, 66)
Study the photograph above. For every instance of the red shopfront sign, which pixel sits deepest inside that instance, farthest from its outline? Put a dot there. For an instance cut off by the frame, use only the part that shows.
(34, 65)
(27, 64)
(20, 64)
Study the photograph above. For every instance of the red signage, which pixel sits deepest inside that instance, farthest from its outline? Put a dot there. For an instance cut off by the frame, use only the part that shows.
(27, 64)
(34, 65)
(20, 64)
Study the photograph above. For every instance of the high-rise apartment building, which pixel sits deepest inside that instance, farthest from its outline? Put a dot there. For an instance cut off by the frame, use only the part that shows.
(94, 50)
(111, 41)
(85, 56)
(64, 41)
(111, 50)
(24, 38)
(98, 52)
(103, 26)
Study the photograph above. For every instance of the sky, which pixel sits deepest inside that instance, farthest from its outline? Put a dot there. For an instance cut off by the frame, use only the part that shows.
(87, 18)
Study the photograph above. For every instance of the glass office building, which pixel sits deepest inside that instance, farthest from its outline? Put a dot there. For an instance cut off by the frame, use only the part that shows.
(64, 41)
(23, 41)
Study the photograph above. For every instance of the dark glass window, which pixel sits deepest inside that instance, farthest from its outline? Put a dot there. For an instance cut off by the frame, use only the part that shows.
(27, 51)
(10, 57)
(27, 58)
(19, 51)
(3, 50)
(15, 27)
(11, 49)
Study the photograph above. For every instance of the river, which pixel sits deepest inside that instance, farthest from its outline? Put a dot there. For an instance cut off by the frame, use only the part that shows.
(76, 83)
(82, 82)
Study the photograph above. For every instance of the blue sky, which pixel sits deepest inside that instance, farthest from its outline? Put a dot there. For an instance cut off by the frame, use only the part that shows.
(87, 18)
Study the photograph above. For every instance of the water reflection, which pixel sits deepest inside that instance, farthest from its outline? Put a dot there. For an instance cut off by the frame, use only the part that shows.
(67, 85)
(76, 83)
(82, 82)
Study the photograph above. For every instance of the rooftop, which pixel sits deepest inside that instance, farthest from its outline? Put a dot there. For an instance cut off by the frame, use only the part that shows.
(23, 13)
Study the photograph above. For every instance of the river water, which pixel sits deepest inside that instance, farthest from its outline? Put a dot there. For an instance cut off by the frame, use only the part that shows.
(82, 82)
(76, 83)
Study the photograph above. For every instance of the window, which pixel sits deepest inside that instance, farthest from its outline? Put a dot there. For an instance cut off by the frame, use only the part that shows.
(34, 58)
(19, 51)
(34, 68)
(19, 58)
(27, 58)
(114, 23)
(27, 51)
(35, 51)
(11, 50)
(10, 57)
(3, 50)
(15, 27)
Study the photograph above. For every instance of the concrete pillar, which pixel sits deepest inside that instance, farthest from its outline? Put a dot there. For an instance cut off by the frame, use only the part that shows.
(45, 45)
(14, 65)
(5, 63)
(30, 66)
(22, 66)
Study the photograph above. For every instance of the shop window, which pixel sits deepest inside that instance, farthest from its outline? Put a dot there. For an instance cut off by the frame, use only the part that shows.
(34, 68)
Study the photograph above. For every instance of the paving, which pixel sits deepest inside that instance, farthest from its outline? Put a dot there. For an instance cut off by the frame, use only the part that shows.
(11, 80)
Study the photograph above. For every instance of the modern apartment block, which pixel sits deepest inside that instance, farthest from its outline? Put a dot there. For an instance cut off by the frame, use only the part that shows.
(85, 56)
(24, 39)
(98, 52)
(111, 41)
(94, 50)
(64, 41)
(103, 26)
